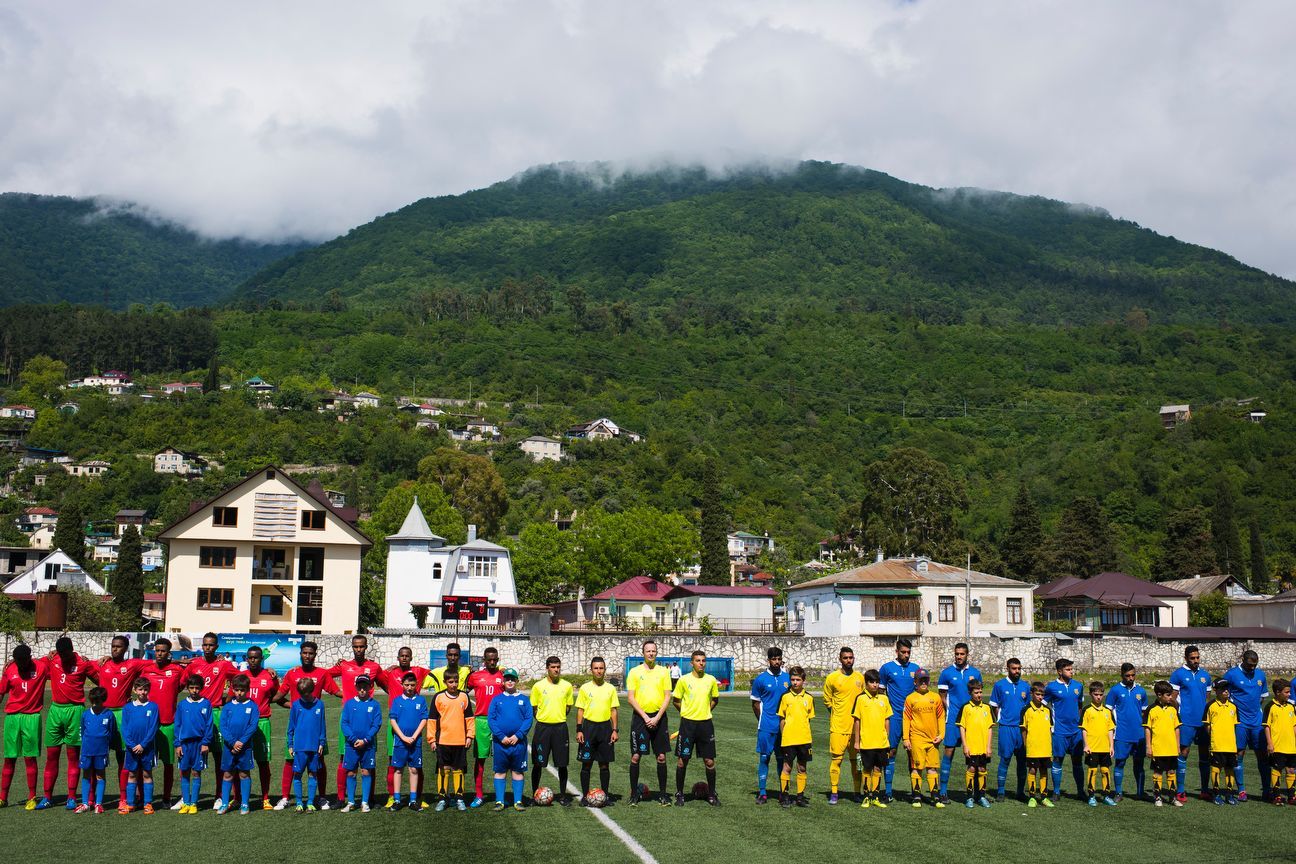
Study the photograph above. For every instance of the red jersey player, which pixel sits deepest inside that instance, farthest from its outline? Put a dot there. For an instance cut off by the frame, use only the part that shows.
(167, 678)
(287, 694)
(263, 683)
(346, 672)
(483, 685)
(68, 673)
(390, 681)
(24, 682)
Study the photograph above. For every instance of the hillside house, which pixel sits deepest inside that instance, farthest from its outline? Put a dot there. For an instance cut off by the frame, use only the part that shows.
(745, 547)
(17, 412)
(125, 518)
(1173, 415)
(14, 560)
(53, 570)
(601, 429)
(115, 382)
(34, 518)
(92, 469)
(173, 461)
(182, 387)
(259, 386)
(365, 399)
(540, 448)
(1225, 584)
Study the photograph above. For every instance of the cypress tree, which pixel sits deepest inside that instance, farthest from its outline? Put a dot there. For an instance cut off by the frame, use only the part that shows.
(211, 384)
(715, 529)
(1259, 567)
(1224, 531)
(1022, 545)
(1188, 549)
(128, 579)
(69, 533)
(1083, 544)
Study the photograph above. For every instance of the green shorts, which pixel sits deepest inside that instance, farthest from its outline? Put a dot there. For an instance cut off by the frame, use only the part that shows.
(261, 742)
(216, 739)
(164, 744)
(482, 741)
(63, 726)
(116, 737)
(22, 735)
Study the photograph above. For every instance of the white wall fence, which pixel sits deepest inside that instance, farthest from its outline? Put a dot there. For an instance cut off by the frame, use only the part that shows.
(1102, 654)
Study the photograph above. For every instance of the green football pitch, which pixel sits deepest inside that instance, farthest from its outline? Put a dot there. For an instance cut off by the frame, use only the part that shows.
(738, 831)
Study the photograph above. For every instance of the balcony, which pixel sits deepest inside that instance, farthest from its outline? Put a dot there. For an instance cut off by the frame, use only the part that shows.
(692, 626)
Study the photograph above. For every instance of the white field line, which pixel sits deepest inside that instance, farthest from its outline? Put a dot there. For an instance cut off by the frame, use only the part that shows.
(617, 831)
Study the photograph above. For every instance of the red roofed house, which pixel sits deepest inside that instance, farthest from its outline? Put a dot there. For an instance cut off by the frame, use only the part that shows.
(1113, 601)
(642, 602)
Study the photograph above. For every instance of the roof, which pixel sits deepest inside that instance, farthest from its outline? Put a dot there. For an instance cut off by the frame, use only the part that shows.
(728, 590)
(749, 535)
(40, 511)
(1167, 409)
(1198, 634)
(903, 572)
(132, 514)
(1200, 585)
(541, 439)
(636, 588)
(1110, 589)
(415, 526)
(21, 407)
(154, 598)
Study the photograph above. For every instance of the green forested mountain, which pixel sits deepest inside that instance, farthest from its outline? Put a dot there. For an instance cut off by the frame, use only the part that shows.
(55, 249)
(760, 239)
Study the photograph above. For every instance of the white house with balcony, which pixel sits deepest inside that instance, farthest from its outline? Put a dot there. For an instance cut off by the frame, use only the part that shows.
(911, 597)
(745, 547)
(266, 555)
(54, 570)
(422, 569)
(173, 461)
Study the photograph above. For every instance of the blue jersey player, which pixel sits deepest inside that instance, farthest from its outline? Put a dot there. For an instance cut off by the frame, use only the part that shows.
(362, 719)
(98, 728)
(238, 724)
(953, 687)
(408, 718)
(766, 692)
(307, 741)
(509, 720)
(1065, 697)
(899, 677)
(1129, 702)
(194, 725)
(1248, 686)
(1191, 683)
(1008, 699)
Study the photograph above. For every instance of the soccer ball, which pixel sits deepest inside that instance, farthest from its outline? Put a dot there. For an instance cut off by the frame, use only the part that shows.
(644, 791)
(597, 797)
(543, 796)
(701, 791)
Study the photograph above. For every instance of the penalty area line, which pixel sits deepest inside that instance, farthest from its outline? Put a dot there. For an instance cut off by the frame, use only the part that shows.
(617, 831)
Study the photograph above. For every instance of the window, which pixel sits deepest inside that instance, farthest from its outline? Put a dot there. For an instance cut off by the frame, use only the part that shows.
(270, 604)
(215, 598)
(1015, 611)
(1147, 615)
(216, 556)
(225, 517)
(482, 567)
(946, 607)
(312, 520)
(310, 605)
(436, 571)
(816, 612)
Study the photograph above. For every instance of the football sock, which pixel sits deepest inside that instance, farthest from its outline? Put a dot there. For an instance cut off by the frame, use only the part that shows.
(890, 774)
(784, 778)
(443, 775)
(148, 791)
(297, 788)
(479, 771)
(857, 774)
(535, 779)
(184, 790)
(100, 782)
(679, 779)
(1120, 776)
(342, 780)
(458, 782)
(321, 780)
(1238, 774)
(1030, 784)
(1056, 773)
(970, 778)
(585, 778)
(762, 772)
(605, 777)
(168, 780)
(562, 780)
(1106, 774)
(661, 777)
(1091, 778)
(245, 789)
(419, 786)
(801, 782)
(1215, 779)
(85, 791)
(1274, 774)
(30, 765)
(51, 769)
(915, 780)
(74, 769)
(391, 780)
(263, 769)
(946, 765)
(1140, 777)
(226, 784)
(834, 772)
(933, 782)
(1156, 784)
(1001, 778)
(711, 781)
(1181, 771)
(366, 787)
(350, 788)
(1174, 784)
(499, 789)
(634, 777)
(311, 783)
(288, 782)
(517, 792)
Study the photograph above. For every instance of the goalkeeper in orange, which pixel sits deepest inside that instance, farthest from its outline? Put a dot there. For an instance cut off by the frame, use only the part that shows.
(924, 724)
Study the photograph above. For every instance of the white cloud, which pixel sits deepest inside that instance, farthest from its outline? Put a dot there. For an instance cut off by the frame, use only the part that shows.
(307, 118)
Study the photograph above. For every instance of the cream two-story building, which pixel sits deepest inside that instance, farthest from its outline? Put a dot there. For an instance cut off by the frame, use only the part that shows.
(266, 555)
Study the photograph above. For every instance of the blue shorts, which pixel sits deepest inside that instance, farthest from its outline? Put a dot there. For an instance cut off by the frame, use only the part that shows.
(142, 762)
(307, 763)
(191, 756)
(1068, 742)
(767, 742)
(896, 730)
(354, 760)
(952, 738)
(511, 758)
(1189, 735)
(231, 761)
(406, 755)
(1011, 743)
(1123, 750)
(94, 763)
(1251, 738)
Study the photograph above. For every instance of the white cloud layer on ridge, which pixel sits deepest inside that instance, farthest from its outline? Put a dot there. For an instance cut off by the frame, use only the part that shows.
(308, 118)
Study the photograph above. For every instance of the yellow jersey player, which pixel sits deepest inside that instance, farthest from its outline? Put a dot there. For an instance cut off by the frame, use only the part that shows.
(923, 730)
(1037, 730)
(975, 722)
(795, 711)
(1163, 742)
(872, 737)
(1221, 721)
(840, 690)
(1280, 734)
(696, 695)
(1098, 725)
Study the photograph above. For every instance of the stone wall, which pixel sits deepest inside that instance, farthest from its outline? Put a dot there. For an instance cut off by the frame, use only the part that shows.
(1102, 654)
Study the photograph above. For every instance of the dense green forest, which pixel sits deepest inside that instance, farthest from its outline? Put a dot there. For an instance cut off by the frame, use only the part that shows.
(79, 250)
(1003, 356)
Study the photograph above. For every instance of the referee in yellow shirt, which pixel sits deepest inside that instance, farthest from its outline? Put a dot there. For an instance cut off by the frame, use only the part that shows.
(696, 694)
(596, 727)
(551, 700)
(648, 690)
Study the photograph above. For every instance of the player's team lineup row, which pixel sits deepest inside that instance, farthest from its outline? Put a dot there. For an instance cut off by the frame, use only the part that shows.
(146, 714)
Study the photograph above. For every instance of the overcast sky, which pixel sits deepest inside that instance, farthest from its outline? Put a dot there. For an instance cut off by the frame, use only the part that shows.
(277, 119)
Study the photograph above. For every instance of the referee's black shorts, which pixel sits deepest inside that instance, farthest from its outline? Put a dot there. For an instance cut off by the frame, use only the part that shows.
(551, 745)
(643, 739)
(598, 746)
(696, 738)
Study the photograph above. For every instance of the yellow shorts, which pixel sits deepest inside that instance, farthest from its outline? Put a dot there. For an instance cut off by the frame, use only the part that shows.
(925, 756)
(839, 743)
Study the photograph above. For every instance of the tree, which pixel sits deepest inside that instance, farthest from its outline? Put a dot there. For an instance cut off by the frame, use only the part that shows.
(1187, 551)
(1208, 610)
(1083, 544)
(640, 541)
(88, 611)
(715, 529)
(13, 618)
(42, 379)
(1225, 539)
(211, 384)
(910, 504)
(1259, 568)
(128, 579)
(471, 485)
(69, 533)
(546, 563)
(1022, 545)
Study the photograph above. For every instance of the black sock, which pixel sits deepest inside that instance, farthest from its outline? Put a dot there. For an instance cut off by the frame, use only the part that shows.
(605, 776)
(585, 777)
(634, 777)
(562, 780)
(710, 775)
(679, 779)
(661, 777)
(535, 777)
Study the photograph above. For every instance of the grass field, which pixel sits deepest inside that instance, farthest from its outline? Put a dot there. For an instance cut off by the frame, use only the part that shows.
(697, 834)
